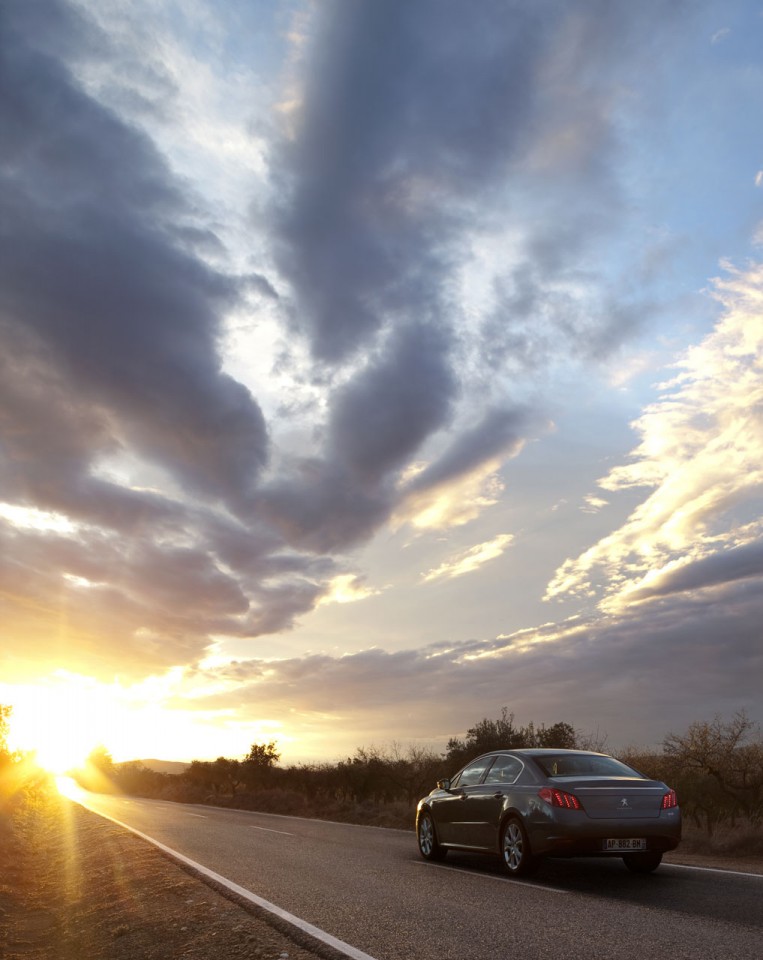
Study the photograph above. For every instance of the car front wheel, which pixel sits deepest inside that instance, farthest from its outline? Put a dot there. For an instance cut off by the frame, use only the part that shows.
(429, 848)
(642, 862)
(516, 857)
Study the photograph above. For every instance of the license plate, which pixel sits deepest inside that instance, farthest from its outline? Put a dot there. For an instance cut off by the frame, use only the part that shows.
(627, 843)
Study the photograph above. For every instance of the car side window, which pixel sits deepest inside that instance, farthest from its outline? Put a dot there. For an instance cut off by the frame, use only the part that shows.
(473, 773)
(504, 770)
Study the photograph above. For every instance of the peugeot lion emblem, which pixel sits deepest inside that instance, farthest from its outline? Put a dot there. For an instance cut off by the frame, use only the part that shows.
(624, 802)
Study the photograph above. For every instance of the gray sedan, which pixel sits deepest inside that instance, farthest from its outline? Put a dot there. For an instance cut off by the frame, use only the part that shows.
(527, 804)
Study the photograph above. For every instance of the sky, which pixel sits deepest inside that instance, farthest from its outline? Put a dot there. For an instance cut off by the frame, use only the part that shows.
(368, 367)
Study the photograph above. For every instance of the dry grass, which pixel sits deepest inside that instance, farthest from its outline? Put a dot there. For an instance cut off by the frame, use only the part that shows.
(741, 840)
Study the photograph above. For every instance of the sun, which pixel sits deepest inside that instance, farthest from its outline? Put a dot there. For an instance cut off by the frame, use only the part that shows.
(57, 722)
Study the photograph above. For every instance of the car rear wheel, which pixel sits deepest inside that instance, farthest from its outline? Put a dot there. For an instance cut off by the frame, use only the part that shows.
(516, 856)
(429, 848)
(642, 862)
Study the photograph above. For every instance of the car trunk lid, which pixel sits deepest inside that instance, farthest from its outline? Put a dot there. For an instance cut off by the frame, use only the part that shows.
(616, 798)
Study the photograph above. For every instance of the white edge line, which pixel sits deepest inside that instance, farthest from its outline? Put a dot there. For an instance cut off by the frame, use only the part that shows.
(666, 864)
(490, 876)
(339, 945)
(728, 873)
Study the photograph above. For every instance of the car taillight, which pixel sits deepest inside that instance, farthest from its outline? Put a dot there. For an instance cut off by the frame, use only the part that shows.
(560, 798)
(670, 800)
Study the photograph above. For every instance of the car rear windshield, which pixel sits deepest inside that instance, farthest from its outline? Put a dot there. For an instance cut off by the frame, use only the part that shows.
(583, 765)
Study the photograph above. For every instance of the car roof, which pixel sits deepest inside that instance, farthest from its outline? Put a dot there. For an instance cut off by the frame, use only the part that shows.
(540, 752)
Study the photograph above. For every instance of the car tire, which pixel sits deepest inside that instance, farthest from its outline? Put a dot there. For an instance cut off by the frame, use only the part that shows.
(426, 835)
(642, 862)
(516, 856)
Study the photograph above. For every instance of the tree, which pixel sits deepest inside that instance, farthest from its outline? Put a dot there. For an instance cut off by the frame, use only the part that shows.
(199, 775)
(100, 759)
(559, 736)
(5, 724)
(263, 755)
(226, 775)
(7, 757)
(501, 734)
(259, 762)
(725, 764)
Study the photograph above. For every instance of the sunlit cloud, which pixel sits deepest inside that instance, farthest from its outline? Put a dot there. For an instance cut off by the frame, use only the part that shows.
(454, 503)
(347, 588)
(32, 518)
(701, 452)
(470, 560)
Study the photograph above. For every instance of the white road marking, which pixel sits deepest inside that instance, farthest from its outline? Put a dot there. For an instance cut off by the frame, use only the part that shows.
(267, 830)
(728, 873)
(489, 876)
(199, 816)
(339, 945)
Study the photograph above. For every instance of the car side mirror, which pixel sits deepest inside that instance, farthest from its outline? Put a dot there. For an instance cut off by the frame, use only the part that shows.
(443, 784)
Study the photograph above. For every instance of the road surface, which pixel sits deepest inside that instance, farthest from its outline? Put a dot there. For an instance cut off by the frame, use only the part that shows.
(368, 888)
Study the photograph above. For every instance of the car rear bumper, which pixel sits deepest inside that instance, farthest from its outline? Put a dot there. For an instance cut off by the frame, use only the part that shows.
(568, 847)
(586, 838)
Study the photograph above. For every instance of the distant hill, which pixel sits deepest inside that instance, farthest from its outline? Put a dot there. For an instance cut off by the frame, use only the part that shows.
(165, 766)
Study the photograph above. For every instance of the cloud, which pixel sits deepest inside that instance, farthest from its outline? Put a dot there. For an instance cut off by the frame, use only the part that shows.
(736, 563)
(377, 421)
(387, 129)
(596, 674)
(417, 134)
(700, 454)
(421, 129)
(452, 503)
(116, 414)
(100, 276)
(347, 588)
(428, 247)
(470, 560)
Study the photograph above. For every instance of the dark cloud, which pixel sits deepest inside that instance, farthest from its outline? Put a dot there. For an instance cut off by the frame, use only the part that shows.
(381, 417)
(420, 121)
(377, 421)
(95, 262)
(499, 433)
(409, 109)
(421, 125)
(109, 324)
(727, 566)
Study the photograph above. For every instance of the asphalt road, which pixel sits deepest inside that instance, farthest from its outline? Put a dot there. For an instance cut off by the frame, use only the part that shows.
(369, 888)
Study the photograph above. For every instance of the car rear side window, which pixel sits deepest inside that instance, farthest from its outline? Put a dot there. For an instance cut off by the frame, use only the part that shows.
(473, 773)
(504, 770)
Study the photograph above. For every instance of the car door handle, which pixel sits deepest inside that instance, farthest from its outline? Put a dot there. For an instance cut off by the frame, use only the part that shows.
(498, 796)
